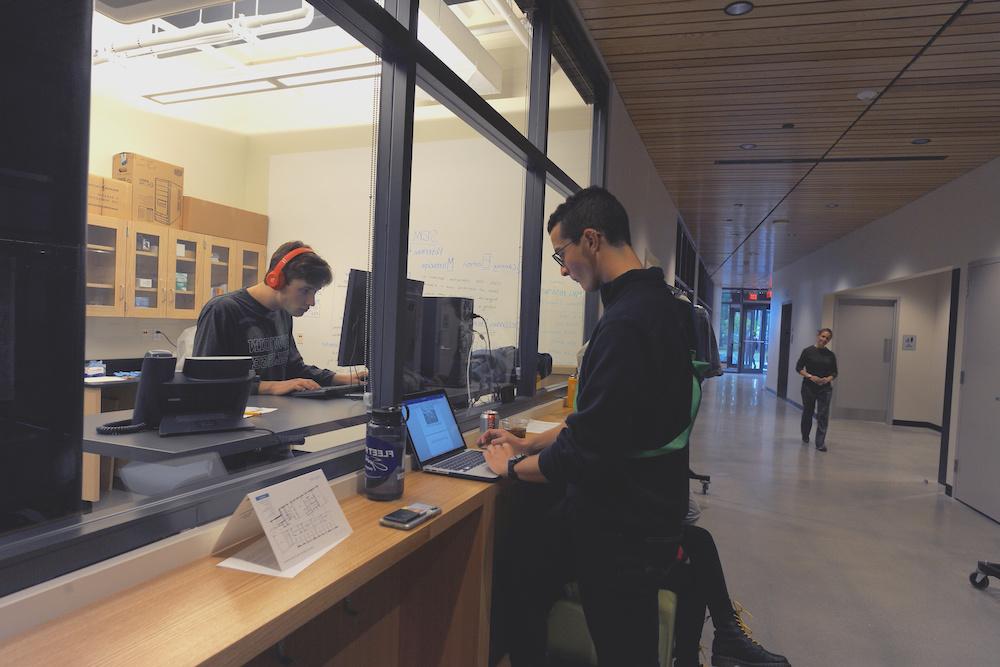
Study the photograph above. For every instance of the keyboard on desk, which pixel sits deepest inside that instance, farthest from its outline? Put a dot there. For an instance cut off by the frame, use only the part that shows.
(467, 460)
(336, 391)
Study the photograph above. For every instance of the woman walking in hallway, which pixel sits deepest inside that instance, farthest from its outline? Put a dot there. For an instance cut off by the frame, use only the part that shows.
(818, 367)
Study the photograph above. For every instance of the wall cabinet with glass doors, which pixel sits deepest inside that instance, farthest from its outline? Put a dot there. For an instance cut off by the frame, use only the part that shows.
(137, 269)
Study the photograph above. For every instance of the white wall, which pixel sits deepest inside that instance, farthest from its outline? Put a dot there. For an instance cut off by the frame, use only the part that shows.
(632, 178)
(950, 227)
(923, 308)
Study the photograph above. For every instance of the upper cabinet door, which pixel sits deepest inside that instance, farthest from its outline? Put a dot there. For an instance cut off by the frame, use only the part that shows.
(251, 264)
(106, 260)
(186, 254)
(146, 285)
(222, 260)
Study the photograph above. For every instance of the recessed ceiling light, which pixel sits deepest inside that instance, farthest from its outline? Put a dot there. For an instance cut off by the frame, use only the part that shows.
(780, 221)
(748, 147)
(738, 8)
(832, 205)
(867, 94)
(920, 142)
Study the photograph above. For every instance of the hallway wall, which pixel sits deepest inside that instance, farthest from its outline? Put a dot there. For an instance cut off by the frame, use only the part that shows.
(950, 227)
(632, 178)
(924, 304)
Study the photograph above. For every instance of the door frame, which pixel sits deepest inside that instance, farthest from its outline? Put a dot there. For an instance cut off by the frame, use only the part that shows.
(784, 348)
(965, 340)
(840, 300)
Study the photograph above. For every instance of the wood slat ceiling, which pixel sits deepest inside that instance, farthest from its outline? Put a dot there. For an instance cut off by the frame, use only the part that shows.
(698, 83)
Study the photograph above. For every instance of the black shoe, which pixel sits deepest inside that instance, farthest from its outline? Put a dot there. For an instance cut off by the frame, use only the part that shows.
(805, 440)
(820, 448)
(733, 647)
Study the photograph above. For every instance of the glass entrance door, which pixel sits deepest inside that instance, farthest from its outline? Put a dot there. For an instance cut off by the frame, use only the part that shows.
(753, 358)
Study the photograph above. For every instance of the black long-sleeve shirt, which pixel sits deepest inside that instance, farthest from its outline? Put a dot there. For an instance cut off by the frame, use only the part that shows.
(236, 324)
(819, 362)
(634, 393)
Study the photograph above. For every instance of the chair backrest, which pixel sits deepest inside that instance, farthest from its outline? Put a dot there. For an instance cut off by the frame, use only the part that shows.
(681, 441)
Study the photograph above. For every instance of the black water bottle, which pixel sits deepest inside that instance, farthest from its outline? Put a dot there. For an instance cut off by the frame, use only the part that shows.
(385, 442)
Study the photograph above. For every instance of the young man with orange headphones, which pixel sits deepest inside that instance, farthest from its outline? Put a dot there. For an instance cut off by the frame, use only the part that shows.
(257, 322)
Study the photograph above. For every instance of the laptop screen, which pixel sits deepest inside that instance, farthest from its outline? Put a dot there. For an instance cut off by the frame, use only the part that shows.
(432, 426)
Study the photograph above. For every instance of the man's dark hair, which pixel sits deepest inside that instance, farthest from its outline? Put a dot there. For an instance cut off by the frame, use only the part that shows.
(828, 330)
(593, 208)
(308, 266)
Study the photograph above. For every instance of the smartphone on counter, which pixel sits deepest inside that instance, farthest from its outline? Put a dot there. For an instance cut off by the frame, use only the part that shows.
(412, 515)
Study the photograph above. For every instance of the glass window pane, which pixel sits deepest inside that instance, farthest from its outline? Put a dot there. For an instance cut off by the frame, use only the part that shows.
(560, 327)
(465, 247)
(570, 120)
(488, 44)
(275, 133)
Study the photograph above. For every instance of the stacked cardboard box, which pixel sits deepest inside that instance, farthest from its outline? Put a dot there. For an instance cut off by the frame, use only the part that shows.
(206, 217)
(110, 197)
(157, 187)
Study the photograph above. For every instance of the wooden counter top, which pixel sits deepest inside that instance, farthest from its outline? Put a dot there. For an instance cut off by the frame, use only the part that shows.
(204, 614)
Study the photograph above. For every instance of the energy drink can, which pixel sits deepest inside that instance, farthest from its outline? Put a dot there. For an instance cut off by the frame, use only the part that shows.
(488, 419)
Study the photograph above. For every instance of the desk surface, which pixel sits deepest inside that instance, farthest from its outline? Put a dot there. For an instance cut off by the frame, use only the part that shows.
(294, 418)
(202, 614)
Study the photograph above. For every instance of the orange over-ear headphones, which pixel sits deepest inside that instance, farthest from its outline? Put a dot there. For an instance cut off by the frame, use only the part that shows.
(275, 278)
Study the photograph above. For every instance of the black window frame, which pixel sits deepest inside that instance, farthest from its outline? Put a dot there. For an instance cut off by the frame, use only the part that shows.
(35, 555)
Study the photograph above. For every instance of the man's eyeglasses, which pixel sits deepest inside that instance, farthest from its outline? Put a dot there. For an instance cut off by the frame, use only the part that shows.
(558, 254)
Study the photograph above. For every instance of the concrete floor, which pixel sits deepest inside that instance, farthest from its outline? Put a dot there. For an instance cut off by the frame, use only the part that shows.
(851, 557)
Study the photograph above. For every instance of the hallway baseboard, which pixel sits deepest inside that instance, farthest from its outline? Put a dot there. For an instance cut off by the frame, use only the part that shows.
(787, 400)
(907, 422)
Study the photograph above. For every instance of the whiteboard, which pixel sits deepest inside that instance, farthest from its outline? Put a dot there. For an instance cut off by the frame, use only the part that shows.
(465, 238)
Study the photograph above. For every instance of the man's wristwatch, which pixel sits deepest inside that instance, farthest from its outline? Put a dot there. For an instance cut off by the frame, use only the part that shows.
(513, 461)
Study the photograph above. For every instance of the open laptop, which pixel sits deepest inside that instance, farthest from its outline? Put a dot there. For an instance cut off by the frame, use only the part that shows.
(437, 443)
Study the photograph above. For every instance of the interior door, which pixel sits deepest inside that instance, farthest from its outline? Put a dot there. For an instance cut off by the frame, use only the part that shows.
(979, 409)
(864, 334)
(784, 349)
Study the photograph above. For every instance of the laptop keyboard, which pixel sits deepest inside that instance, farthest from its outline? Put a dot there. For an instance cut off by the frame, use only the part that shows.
(465, 461)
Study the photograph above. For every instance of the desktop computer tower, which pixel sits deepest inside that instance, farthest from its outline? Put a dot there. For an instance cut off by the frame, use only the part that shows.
(445, 340)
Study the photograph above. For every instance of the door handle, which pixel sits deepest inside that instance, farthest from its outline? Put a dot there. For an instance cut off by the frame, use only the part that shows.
(886, 350)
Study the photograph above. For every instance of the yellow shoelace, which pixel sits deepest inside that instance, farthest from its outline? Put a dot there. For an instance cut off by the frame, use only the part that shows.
(740, 610)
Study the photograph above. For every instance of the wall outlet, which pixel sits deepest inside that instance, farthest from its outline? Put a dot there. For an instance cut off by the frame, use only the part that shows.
(157, 335)
(147, 332)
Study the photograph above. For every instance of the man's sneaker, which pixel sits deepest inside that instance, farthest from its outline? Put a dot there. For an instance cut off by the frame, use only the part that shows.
(734, 647)
(805, 440)
(820, 448)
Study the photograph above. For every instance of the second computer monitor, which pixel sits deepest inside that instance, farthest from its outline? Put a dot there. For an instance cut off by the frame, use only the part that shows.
(357, 323)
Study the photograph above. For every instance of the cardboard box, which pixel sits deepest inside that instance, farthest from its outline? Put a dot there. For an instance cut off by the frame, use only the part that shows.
(157, 187)
(206, 217)
(107, 196)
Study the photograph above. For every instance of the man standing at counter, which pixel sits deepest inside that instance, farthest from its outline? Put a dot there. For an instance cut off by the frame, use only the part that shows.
(624, 498)
(257, 322)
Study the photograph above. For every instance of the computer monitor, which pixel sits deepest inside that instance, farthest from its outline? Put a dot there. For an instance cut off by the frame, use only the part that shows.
(446, 338)
(354, 333)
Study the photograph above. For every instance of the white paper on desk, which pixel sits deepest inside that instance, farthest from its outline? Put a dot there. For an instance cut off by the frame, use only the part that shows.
(251, 411)
(258, 558)
(536, 426)
(300, 518)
